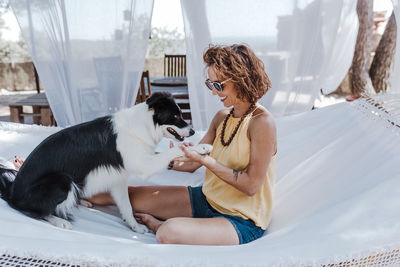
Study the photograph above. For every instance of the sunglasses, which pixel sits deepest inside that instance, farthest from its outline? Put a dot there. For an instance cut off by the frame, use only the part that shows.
(215, 85)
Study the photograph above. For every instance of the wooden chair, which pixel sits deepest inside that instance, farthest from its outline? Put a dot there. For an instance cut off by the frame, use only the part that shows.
(175, 65)
(142, 94)
(41, 112)
(183, 102)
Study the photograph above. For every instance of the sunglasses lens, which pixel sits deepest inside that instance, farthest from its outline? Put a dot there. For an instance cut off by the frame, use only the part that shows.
(213, 85)
(218, 87)
(209, 84)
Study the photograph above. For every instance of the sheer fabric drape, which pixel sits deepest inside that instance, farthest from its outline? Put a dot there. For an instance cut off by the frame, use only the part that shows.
(89, 54)
(395, 82)
(305, 45)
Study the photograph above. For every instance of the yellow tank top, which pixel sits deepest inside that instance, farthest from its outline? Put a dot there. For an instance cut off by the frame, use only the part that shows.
(225, 198)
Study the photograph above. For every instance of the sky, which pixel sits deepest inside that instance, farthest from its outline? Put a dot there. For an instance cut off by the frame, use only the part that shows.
(166, 13)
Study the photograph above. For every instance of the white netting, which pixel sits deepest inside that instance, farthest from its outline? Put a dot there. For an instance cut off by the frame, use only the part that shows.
(387, 258)
(336, 203)
(11, 261)
(383, 108)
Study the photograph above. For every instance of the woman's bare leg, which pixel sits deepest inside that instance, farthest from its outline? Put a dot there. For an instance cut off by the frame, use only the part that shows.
(149, 221)
(197, 231)
(163, 202)
(172, 204)
(191, 231)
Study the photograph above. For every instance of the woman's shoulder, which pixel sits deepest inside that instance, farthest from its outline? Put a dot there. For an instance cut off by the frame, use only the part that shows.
(220, 116)
(262, 112)
(262, 118)
(223, 112)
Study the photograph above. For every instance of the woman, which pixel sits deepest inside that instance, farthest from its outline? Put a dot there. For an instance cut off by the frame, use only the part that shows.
(234, 204)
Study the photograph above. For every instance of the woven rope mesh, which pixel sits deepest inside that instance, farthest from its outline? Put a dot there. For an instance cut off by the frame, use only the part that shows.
(7, 260)
(385, 107)
(389, 258)
(389, 103)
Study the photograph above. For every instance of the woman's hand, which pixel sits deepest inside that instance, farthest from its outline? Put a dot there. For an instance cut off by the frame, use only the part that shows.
(181, 159)
(171, 144)
(188, 162)
(190, 155)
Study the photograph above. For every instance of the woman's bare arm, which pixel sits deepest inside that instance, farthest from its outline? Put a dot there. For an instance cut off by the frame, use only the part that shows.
(208, 138)
(262, 134)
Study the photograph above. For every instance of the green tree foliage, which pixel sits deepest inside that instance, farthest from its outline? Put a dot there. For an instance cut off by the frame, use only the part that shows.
(163, 41)
(14, 51)
(11, 51)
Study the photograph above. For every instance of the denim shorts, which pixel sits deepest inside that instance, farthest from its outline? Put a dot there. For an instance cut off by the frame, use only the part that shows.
(246, 229)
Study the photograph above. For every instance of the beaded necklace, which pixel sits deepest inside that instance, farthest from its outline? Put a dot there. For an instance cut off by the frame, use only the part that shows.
(237, 126)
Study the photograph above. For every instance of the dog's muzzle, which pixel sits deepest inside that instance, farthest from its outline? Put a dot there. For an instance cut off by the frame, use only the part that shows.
(175, 134)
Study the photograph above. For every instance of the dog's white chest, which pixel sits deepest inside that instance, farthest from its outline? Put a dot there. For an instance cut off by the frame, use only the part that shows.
(103, 179)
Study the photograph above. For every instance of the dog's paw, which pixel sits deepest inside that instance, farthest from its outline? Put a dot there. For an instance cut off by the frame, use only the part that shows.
(85, 203)
(142, 229)
(202, 148)
(139, 228)
(59, 222)
(65, 225)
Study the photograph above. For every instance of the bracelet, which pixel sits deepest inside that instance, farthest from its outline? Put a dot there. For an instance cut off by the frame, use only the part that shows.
(171, 165)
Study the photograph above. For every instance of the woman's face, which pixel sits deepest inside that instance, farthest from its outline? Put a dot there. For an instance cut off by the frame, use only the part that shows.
(228, 96)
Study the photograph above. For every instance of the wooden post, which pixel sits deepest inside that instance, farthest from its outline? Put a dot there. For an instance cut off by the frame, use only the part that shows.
(45, 113)
(36, 110)
(15, 114)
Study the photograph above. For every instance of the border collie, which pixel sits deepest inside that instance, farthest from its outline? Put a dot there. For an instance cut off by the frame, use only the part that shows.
(94, 157)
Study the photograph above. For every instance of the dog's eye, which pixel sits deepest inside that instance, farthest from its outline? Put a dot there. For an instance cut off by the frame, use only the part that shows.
(177, 117)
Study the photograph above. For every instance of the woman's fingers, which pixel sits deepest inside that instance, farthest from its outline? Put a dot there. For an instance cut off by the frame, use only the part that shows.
(184, 149)
(189, 155)
(182, 159)
(186, 144)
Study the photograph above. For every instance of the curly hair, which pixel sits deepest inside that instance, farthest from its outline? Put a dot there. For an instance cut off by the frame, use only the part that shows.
(239, 63)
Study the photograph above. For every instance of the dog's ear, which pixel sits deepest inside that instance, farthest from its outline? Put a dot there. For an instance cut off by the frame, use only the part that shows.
(157, 98)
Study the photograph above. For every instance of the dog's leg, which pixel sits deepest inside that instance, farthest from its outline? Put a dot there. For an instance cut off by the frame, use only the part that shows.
(202, 149)
(85, 203)
(159, 162)
(152, 164)
(59, 222)
(120, 195)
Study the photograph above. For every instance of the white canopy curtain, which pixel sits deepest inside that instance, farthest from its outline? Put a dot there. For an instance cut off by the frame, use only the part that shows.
(305, 45)
(89, 54)
(395, 82)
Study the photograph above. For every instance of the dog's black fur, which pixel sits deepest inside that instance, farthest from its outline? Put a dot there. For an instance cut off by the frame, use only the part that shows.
(64, 159)
(45, 178)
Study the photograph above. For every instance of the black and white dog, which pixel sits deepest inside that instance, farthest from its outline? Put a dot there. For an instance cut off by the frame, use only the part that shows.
(96, 156)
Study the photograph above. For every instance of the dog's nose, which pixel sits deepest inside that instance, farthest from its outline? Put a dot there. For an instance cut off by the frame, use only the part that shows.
(191, 132)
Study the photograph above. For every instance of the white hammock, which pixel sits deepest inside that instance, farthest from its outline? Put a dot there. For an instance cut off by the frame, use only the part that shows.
(337, 201)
